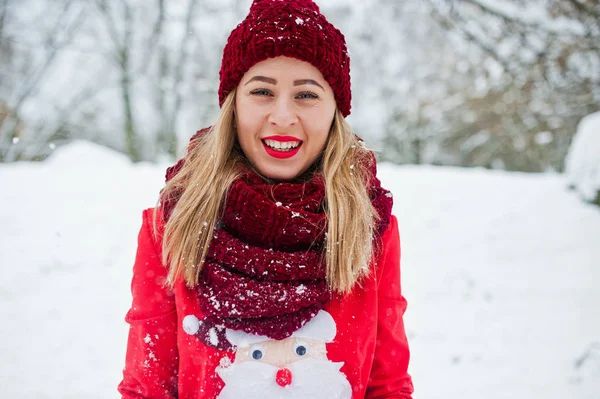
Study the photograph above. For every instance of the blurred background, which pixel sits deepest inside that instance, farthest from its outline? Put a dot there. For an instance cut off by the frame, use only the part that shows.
(483, 113)
(501, 85)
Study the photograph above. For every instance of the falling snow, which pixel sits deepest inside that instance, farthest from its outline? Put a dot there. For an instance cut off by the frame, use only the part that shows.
(500, 216)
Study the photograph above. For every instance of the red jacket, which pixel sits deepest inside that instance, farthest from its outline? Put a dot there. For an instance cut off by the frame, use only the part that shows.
(357, 349)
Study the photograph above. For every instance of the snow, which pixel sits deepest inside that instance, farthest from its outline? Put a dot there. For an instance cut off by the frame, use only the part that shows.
(583, 160)
(500, 271)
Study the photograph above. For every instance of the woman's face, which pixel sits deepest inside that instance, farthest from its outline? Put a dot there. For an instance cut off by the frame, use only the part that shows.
(284, 111)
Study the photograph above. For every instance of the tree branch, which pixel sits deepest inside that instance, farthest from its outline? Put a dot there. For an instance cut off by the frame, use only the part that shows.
(450, 24)
(55, 48)
(154, 37)
(515, 21)
(183, 55)
(102, 6)
(3, 13)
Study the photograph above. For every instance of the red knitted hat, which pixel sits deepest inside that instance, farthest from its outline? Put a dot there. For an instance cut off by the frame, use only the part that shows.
(292, 28)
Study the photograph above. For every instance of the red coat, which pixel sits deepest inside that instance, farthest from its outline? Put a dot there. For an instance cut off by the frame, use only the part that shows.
(368, 339)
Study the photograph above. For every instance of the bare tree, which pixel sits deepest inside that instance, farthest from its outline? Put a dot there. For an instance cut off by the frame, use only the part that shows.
(16, 141)
(114, 16)
(549, 57)
(172, 69)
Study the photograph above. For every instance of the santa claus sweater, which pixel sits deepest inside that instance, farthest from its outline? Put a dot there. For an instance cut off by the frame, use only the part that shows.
(355, 347)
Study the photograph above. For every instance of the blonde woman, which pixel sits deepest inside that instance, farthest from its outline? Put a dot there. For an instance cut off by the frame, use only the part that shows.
(271, 267)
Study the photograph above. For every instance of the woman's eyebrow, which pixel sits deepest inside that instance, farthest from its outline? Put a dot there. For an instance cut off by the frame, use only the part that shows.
(263, 79)
(307, 82)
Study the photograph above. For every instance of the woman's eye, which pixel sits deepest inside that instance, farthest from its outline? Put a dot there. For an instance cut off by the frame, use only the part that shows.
(301, 348)
(257, 352)
(307, 95)
(260, 92)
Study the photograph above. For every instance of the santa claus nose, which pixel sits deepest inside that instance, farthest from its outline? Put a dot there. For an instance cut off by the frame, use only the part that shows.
(283, 377)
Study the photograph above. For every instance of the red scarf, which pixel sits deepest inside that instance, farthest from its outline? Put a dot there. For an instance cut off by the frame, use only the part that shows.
(265, 270)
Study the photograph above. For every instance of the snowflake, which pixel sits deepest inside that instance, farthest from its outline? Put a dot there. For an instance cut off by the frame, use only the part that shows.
(225, 362)
(215, 303)
(299, 21)
(300, 289)
(148, 340)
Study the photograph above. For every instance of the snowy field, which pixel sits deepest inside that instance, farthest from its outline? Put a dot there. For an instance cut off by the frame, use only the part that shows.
(501, 271)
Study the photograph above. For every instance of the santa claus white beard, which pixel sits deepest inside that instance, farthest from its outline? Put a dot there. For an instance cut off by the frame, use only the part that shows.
(311, 378)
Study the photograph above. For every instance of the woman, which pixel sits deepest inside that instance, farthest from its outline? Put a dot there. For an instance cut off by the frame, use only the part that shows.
(271, 267)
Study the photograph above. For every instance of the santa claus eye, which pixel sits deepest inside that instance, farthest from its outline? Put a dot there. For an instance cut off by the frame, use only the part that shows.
(301, 348)
(257, 352)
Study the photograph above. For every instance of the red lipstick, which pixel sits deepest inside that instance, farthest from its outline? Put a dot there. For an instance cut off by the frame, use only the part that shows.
(281, 154)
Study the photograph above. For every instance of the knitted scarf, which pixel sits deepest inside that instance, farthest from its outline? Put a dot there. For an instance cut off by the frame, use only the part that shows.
(264, 272)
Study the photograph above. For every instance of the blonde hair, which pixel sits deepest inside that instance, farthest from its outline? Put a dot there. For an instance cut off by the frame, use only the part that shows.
(214, 161)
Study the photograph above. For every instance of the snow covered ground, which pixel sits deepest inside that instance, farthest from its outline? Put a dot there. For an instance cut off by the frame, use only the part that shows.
(501, 272)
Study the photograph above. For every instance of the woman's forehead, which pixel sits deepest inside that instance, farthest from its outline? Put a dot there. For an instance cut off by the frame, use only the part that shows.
(283, 69)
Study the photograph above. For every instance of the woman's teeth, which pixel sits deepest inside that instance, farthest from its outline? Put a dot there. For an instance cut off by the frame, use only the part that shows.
(282, 146)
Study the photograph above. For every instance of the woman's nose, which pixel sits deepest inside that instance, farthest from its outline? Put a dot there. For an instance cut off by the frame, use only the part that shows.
(283, 114)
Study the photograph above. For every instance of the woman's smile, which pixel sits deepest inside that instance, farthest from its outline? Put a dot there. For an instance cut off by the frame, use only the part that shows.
(281, 147)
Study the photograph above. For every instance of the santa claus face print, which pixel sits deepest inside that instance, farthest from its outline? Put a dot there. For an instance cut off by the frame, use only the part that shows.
(295, 367)
(284, 110)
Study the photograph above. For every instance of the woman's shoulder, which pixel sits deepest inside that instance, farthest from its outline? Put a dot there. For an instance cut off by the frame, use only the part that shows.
(153, 225)
(149, 214)
(148, 285)
(391, 231)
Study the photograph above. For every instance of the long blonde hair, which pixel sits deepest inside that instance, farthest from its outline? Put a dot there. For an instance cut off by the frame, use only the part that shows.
(214, 161)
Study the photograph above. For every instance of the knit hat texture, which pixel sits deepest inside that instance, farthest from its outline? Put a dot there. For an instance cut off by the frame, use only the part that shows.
(291, 28)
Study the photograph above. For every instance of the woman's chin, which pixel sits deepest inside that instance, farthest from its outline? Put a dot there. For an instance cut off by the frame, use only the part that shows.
(279, 172)
(280, 175)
